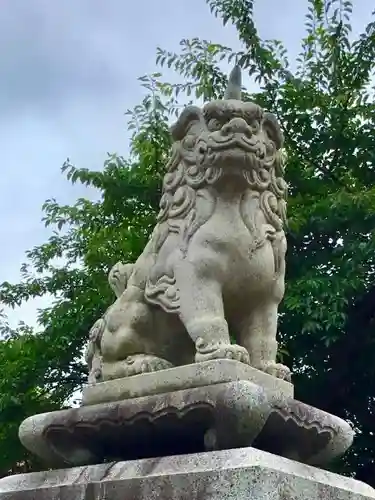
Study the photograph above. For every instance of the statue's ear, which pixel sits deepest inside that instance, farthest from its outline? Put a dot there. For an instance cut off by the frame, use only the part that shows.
(118, 277)
(273, 129)
(191, 121)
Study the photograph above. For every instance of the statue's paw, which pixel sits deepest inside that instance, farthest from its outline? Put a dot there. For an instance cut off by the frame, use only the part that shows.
(144, 363)
(278, 370)
(134, 365)
(207, 351)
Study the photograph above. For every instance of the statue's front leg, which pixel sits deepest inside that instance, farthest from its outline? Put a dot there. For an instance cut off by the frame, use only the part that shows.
(258, 334)
(202, 312)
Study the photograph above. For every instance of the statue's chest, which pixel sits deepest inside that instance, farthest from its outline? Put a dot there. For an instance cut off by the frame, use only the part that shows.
(235, 223)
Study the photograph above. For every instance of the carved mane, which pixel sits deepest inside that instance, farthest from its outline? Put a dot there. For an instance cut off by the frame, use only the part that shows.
(186, 177)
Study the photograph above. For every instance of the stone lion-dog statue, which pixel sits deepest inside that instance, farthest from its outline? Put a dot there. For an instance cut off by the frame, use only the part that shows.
(214, 266)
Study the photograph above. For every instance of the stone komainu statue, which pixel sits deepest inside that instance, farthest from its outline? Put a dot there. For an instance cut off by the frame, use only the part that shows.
(214, 265)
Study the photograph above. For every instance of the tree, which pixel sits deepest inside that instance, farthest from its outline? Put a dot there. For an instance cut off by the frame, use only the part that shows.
(42, 370)
(326, 108)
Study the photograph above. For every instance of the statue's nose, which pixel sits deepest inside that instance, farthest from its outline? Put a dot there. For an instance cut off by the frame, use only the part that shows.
(236, 126)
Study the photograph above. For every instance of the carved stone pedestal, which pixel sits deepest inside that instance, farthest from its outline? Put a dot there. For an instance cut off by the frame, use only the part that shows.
(219, 430)
(231, 412)
(241, 474)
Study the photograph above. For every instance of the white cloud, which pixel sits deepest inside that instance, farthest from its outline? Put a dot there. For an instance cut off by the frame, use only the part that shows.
(68, 71)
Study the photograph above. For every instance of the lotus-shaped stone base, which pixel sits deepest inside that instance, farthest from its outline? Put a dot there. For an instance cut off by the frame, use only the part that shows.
(219, 416)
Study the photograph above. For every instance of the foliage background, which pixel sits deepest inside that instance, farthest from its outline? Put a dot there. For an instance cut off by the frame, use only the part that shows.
(325, 102)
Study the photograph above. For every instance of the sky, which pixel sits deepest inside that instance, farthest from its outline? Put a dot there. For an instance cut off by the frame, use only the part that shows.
(68, 72)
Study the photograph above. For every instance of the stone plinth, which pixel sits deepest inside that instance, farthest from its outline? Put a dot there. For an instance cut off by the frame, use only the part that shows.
(213, 417)
(240, 474)
(212, 372)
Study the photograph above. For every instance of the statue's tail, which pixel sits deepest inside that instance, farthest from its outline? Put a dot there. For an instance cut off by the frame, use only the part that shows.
(93, 354)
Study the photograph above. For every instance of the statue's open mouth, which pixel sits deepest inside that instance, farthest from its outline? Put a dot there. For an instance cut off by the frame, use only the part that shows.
(236, 141)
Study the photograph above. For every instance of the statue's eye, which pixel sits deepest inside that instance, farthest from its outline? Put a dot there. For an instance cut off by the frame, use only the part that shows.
(214, 125)
(189, 141)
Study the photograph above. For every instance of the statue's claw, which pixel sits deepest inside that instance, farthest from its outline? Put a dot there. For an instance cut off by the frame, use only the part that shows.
(134, 365)
(277, 370)
(206, 352)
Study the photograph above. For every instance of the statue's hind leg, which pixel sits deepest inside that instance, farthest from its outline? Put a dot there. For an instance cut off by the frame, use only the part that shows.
(127, 347)
(202, 313)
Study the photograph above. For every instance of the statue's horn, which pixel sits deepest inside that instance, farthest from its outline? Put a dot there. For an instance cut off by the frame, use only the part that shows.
(233, 90)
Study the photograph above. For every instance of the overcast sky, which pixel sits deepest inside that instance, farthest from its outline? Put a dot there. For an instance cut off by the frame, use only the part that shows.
(68, 71)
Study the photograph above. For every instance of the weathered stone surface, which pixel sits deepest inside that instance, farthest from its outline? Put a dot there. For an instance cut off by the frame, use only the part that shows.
(216, 258)
(227, 475)
(220, 416)
(182, 377)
